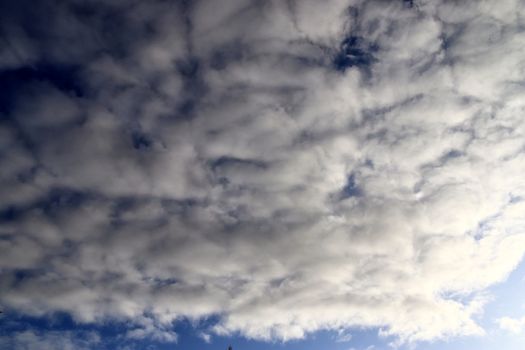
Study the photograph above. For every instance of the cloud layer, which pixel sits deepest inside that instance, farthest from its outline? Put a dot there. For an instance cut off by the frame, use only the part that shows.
(286, 167)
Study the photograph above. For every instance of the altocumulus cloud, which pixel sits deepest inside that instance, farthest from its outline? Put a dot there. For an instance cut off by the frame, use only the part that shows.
(283, 166)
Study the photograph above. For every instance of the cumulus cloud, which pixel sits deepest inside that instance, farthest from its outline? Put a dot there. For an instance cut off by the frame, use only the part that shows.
(285, 166)
(513, 325)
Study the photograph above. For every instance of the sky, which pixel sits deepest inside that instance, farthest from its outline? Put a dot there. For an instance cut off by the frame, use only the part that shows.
(266, 174)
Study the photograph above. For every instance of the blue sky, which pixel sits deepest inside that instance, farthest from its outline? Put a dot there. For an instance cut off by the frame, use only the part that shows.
(291, 174)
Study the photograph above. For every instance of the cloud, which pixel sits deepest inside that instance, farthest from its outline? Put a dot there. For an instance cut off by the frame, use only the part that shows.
(50, 340)
(205, 336)
(513, 325)
(343, 337)
(284, 167)
(370, 347)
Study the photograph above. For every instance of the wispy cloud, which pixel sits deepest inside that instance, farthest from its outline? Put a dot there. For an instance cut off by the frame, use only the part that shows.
(50, 340)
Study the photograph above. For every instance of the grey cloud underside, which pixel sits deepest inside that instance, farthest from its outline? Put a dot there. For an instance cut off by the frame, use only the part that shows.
(290, 166)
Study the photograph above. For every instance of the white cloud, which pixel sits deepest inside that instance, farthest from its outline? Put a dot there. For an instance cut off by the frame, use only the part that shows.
(227, 167)
(206, 337)
(370, 347)
(513, 325)
(343, 336)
